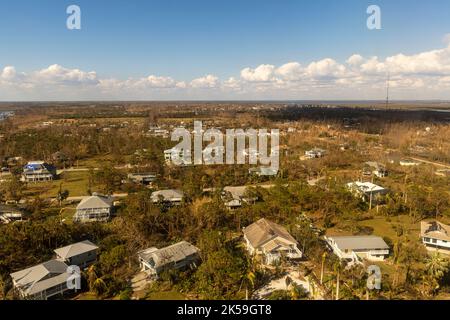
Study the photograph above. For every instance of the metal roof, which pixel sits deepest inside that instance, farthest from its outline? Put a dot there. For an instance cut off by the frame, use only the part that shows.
(95, 202)
(359, 242)
(171, 254)
(168, 195)
(75, 249)
(41, 276)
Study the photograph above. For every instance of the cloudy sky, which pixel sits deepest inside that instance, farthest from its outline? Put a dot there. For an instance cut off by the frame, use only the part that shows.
(199, 50)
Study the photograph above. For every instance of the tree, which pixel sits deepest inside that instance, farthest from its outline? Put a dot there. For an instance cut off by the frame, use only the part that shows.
(437, 267)
(337, 270)
(324, 257)
(62, 195)
(14, 189)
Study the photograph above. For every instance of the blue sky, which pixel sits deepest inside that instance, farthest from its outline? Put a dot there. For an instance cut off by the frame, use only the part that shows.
(186, 40)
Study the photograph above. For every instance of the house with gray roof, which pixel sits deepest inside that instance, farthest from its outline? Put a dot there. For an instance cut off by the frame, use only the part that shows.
(356, 248)
(271, 241)
(169, 196)
(177, 256)
(95, 208)
(435, 236)
(42, 281)
(81, 254)
(142, 178)
(367, 191)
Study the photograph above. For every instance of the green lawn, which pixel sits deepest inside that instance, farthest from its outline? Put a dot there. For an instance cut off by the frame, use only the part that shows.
(75, 182)
(168, 295)
(384, 228)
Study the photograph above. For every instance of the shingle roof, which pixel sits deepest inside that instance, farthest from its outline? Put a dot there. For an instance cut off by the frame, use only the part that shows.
(75, 249)
(435, 229)
(170, 254)
(96, 202)
(359, 242)
(264, 230)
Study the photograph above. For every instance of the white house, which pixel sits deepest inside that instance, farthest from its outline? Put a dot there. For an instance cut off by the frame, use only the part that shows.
(315, 153)
(234, 197)
(169, 196)
(95, 208)
(36, 171)
(271, 241)
(357, 248)
(367, 191)
(10, 214)
(81, 254)
(42, 281)
(177, 256)
(435, 236)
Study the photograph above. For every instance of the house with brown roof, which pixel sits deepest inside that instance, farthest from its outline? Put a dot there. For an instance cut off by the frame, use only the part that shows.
(271, 241)
(435, 236)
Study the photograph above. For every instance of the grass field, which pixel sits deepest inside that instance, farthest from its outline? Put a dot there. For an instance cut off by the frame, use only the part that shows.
(168, 295)
(75, 182)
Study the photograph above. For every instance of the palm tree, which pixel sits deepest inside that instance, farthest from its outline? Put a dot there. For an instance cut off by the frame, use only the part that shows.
(337, 269)
(92, 277)
(437, 267)
(99, 286)
(324, 256)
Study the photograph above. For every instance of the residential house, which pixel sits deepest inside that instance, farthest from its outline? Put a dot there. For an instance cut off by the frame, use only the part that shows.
(95, 208)
(271, 241)
(183, 156)
(177, 256)
(234, 197)
(81, 254)
(169, 196)
(36, 171)
(42, 281)
(435, 236)
(10, 214)
(374, 168)
(356, 248)
(263, 171)
(315, 153)
(367, 191)
(142, 178)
